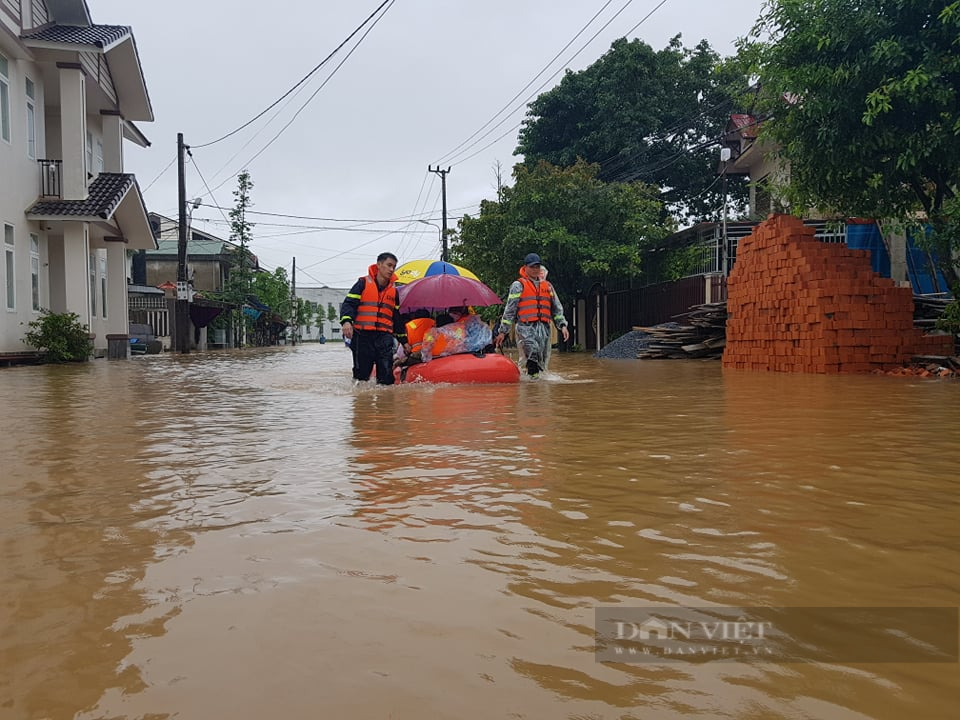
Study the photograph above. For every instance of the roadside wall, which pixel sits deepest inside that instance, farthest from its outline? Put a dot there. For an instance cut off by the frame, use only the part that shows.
(798, 305)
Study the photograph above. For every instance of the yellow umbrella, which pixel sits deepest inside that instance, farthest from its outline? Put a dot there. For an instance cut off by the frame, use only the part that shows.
(416, 269)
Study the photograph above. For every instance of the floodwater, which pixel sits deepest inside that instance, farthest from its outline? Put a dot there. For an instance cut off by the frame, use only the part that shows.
(246, 535)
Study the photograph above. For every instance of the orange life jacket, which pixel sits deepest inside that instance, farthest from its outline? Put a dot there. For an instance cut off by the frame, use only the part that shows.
(376, 308)
(535, 302)
(439, 345)
(416, 329)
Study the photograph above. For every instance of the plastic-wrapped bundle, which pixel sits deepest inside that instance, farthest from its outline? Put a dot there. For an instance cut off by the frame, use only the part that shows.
(469, 334)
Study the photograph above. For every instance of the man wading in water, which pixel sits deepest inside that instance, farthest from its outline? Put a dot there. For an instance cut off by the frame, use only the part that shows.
(532, 304)
(370, 318)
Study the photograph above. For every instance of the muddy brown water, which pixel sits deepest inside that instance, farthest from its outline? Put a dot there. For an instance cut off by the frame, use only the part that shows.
(247, 535)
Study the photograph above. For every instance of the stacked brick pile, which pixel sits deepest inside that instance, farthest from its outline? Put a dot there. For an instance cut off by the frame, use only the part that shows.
(795, 304)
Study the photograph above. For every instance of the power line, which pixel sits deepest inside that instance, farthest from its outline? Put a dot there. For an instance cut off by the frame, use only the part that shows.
(340, 254)
(389, 4)
(545, 68)
(301, 82)
(204, 181)
(614, 163)
(160, 174)
(318, 227)
(403, 219)
(583, 47)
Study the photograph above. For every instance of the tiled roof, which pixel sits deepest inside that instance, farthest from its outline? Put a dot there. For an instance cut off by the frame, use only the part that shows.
(104, 194)
(98, 35)
(746, 124)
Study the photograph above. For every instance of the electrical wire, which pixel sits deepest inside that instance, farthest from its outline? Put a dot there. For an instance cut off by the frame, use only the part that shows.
(454, 157)
(524, 88)
(389, 4)
(403, 219)
(301, 81)
(160, 174)
(324, 228)
(204, 181)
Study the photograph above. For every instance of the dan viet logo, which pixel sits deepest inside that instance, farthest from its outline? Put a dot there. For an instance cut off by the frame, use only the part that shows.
(792, 634)
(673, 638)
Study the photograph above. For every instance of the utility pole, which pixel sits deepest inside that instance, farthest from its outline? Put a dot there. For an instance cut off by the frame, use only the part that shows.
(443, 185)
(725, 251)
(182, 316)
(293, 304)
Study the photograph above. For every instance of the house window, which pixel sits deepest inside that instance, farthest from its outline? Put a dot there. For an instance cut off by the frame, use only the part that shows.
(4, 99)
(35, 271)
(31, 120)
(98, 157)
(103, 286)
(92, 263)
(89, 152)
(8, 265)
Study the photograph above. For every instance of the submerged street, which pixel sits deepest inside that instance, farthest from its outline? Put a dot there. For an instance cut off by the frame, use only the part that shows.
(245, 534)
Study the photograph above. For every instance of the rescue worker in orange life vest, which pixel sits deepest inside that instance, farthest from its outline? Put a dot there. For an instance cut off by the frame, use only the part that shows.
(370, 319)
(532, 305)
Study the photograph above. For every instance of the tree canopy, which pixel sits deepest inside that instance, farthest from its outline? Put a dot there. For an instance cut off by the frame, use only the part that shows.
(861, 97)
(584, 229)
(653, 116)
(273, 290)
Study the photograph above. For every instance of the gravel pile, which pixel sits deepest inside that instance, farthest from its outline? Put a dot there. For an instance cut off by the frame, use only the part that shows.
(625, 347)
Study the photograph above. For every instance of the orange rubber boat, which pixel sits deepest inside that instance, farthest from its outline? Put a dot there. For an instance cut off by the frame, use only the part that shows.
(463, 368)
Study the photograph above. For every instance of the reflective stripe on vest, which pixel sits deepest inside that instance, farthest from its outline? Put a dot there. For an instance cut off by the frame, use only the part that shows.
(376, 308)
(535, 303)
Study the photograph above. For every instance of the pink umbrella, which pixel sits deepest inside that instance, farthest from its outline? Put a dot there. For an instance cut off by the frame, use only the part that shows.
(438, 292)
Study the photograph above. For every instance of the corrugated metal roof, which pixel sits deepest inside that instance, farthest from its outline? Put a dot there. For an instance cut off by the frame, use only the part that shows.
(195, 246)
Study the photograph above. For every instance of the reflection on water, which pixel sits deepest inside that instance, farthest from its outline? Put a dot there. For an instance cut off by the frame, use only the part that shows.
(247, 535)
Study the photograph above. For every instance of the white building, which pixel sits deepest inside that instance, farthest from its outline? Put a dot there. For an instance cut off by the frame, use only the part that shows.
(323, 297)
(70, 92)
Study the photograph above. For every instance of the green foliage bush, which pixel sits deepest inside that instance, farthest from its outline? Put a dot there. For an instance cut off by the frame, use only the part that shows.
(60, 337)
(949, 321)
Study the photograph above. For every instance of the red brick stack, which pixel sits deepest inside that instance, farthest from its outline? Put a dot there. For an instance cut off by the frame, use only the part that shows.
(795, 304)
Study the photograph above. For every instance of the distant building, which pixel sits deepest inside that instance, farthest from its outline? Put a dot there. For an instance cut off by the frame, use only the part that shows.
(324, 297)
(209, 259)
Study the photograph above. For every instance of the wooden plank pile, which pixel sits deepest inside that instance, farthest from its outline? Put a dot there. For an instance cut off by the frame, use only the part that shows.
(698, 333)
(927, 308)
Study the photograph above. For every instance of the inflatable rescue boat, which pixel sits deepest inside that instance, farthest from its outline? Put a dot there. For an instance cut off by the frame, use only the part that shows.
(463, 368)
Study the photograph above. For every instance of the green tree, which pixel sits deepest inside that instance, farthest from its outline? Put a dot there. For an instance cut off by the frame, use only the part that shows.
(273, 290)
(861, 97)
(332, 314)
(643, 115)
(237, 286)
(584, 229)
(306, 309)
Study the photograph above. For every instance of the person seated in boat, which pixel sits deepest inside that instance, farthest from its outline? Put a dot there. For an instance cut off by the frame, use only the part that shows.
(467, 333)
(416, 329)
(444, 318)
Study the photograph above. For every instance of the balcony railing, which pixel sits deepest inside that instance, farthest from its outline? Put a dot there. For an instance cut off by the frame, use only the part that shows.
(50, 174)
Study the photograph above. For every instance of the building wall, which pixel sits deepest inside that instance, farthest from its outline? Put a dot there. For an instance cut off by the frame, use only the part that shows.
(323, 296)
(19, 187)
(206, 272)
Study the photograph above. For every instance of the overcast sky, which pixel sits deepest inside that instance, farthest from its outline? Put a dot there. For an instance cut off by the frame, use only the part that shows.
(414, 93)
